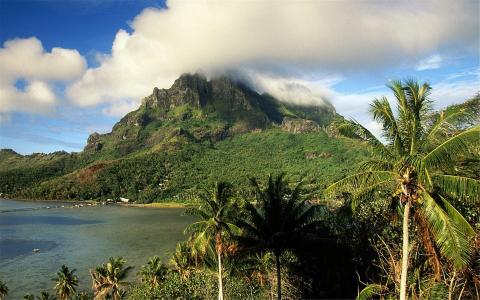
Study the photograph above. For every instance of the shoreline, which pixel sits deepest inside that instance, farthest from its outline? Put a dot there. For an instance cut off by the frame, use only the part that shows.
(157, 205)
(99, 203)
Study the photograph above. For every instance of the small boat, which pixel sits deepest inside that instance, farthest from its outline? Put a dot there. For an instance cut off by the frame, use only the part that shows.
(36, 250)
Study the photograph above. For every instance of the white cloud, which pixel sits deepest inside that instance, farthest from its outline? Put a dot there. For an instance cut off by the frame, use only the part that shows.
(430, 63)
(120, 109)
(25, 59)
(38, 97)
(455, 88)
(302, 91)
(449, 92)
(280, 38)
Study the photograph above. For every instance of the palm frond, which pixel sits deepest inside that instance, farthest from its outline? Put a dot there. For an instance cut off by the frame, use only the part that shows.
(445, 120)
(368, 192)
(376, 165)
(359, 181)
(397, 88)
(458, 219)
(419, 106)
(353, 129)
(382, 112)
(448, 150)
(453, 242)
(371, 290)
(458, 186)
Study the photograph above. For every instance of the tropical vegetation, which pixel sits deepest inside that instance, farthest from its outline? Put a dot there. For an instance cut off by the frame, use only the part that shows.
(65, 283)
(153, 272)
(278, 220)
(395, 216)
(216, 213)
(3, 290)
(414, 168)
(109, 279)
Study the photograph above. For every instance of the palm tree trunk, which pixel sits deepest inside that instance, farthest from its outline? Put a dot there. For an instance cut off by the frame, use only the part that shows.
(220, 283)
(403, 278)
(279, 277)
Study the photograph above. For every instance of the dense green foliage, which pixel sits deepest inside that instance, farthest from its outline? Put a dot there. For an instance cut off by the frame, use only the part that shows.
(263, 239)
(161, 175)
(65, 283)
(415, 171)
(279, 220)
(109, 279)
(171, 145)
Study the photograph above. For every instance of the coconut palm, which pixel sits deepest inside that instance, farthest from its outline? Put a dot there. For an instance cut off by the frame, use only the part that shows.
(44, 295)
(109, 278)
(153, 272)
(411, 165)
(65, 283)
(182, 260)
(216, 213)
(3, 290)
(278, 220)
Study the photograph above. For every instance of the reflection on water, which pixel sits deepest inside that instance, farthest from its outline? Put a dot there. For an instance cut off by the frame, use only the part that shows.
(80, 238)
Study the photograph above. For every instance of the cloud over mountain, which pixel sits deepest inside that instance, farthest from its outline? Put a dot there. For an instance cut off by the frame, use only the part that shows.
(275, 39)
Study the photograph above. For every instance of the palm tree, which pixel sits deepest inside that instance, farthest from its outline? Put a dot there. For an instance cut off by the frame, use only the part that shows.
(183, 261)
(420, 147)
(278, 221)
(28, 297)
(3, 290)
(153, 272)
(44, 295)
(65, 283)
(216, 212)
(108, 279)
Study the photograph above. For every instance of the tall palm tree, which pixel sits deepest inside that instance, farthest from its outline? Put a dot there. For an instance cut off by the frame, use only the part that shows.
(65, 283)
(109, 278)
(44, 295)
(216, 212)
(3, 290)
(153, 272)
(278, 220)
(411, 165)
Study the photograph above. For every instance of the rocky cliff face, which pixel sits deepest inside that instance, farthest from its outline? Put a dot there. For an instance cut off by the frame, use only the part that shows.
(93, 142)
(188, 89)
(205, 110)
(296, 125)
(194, 89)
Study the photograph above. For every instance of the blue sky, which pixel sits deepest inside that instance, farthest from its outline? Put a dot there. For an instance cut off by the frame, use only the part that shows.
(69, 68)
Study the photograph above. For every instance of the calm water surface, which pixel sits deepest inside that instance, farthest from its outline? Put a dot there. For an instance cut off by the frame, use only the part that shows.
(80, 238)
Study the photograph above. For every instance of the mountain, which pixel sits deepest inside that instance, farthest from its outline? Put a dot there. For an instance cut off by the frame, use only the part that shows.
(200, 110)
(190, 135)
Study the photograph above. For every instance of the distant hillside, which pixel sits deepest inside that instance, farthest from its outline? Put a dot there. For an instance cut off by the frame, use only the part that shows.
(188, 136)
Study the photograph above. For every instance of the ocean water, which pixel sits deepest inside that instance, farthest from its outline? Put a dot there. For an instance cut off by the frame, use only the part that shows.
(79, 237)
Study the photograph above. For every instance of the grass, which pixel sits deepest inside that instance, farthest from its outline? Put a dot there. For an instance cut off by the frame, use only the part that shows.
(159, 205)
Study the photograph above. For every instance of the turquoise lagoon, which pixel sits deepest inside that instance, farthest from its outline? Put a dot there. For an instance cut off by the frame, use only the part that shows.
(79, 237)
